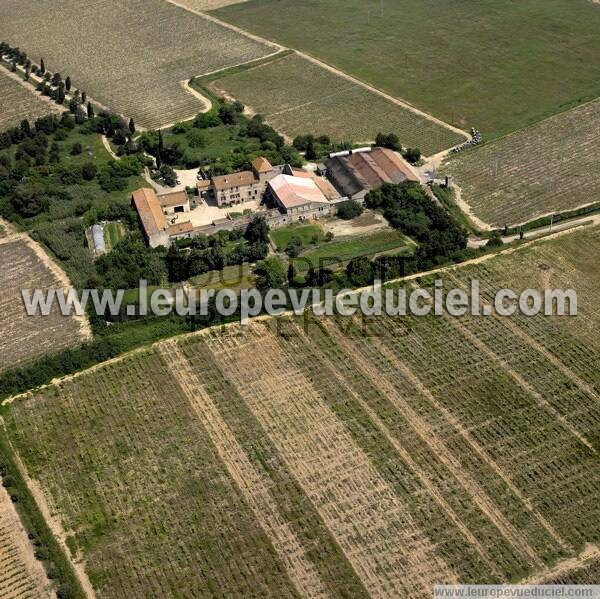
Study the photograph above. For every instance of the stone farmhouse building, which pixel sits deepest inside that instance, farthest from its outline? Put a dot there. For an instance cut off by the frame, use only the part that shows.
(241, 187)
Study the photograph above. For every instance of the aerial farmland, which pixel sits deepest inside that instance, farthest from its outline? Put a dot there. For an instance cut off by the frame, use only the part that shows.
(496, 66)
(553, 166)
(320, 447)
(122, 60)
(19, 101)
(309, 98)
(24, 265)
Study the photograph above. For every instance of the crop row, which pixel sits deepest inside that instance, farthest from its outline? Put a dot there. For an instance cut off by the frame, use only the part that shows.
(27, 337)
(131, 55)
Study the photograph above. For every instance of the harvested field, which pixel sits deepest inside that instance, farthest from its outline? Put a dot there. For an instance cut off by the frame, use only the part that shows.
(21, 575)
(19, 101)
(551, 167)
(304, 97)
(129, 55)
(472, 63)
(314, 457)
(24, 265)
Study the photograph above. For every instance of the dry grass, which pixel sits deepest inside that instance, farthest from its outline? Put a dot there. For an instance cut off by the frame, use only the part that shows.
(348, 461)
(552, 166)
(19, 101)
(298, 96)
(130, 55)
(23, 265)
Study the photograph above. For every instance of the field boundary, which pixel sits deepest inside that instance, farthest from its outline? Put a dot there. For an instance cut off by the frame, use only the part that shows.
(589, 554)
(332, 69)
(34, 514)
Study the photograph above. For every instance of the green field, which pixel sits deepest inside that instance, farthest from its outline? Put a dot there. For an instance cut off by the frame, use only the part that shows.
(552, 166)
(323, 456)
(113, 233)
(239, 276)
(497, 66)
(341, 250)
(297, 97)
(307, 233)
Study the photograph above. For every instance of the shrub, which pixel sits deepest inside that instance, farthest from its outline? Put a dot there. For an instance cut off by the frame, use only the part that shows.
(349, 210)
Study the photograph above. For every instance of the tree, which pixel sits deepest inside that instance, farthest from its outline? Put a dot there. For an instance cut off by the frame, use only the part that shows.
(360, 271)
(257, 230)
(76, 149)
(412, 155)
(27, 72)
(56, 79)
(60, 95)
(168, 175)
(83, 97)
(88, 171)
(42, 67)
(349, 210)
(90, 110)
(291, 274)
(68, 84)
(294, 247)
(131, 126)
(390, 141)
(495, 240)
(270, 274)
(311, 153)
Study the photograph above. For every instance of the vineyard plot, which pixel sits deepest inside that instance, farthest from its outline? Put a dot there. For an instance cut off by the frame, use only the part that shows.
(329, 457)
(304, 97)
(130, 55)
(19, 101)
(23, 265)
(553, 166)
(21, 575)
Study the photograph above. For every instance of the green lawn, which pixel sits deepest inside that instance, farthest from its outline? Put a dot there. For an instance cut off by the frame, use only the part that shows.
(281, 237)
(234, 277)
(493, 65)
(338, 252)
(113, 233)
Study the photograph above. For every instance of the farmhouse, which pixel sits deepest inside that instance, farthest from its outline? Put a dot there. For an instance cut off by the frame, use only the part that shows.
(240, 187)
(152, 219)
(299, 198)
(356, 173)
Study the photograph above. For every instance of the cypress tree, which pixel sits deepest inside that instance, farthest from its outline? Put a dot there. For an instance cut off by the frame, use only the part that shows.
(68, 83)
(90, 110)
(42, 67)
(131, 126)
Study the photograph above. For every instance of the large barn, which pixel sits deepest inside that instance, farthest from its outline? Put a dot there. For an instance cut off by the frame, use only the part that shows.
(357, 173)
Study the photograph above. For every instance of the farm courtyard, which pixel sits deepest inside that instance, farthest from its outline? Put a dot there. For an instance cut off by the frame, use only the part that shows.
(121, 59)
(320, 456)
(553, 166)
